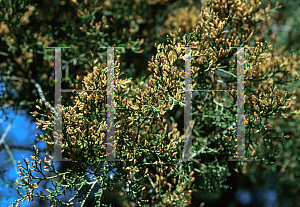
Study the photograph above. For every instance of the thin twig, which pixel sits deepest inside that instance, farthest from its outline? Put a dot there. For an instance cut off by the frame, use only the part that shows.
(10, 155)
(74, 60)
(224, 132)
(2, 140)
(37, 86)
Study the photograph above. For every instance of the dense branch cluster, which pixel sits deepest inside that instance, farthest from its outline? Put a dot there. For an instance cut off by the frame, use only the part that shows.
(147, 145)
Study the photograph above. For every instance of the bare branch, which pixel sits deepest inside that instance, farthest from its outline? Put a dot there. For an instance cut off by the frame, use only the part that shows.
(2, 140)
(10, 155)
(37, 86)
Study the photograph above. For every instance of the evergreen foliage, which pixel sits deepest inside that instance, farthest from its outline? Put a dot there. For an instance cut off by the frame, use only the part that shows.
(148, 139)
